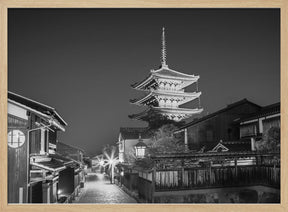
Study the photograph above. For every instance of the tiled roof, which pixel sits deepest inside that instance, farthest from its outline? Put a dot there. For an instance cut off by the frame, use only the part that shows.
(134, 132)
(165, 72)
(172, 73)
(229, 107)
(134, 85)
(233, 146)
(141, 144)
(45, 109)
(265, 111)
(238, 146)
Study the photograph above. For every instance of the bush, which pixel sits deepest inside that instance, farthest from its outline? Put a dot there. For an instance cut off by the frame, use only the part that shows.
(270, 141)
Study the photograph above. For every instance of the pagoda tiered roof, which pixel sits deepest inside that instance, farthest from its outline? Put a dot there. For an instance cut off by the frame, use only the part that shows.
(165, 73)
(185, 112)
(150, 96)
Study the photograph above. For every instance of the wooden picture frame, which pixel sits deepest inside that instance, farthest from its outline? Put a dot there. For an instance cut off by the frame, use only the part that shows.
(5, 4)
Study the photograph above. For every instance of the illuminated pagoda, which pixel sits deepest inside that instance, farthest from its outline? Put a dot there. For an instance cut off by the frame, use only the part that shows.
(164, 92)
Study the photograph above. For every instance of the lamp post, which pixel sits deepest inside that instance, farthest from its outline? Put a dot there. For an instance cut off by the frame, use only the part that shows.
(121, 177)
(112, 164)
(112, 160)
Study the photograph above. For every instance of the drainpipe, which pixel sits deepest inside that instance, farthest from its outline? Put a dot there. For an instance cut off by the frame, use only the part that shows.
(186, 139)
(253, 145)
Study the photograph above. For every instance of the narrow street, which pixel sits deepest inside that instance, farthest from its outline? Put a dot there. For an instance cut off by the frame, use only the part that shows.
(98, 189)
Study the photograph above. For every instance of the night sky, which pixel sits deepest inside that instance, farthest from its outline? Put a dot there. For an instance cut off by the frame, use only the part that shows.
(83, 61)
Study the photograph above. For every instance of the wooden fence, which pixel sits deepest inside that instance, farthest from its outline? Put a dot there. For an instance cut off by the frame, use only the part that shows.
(215, 172)
(217, 177)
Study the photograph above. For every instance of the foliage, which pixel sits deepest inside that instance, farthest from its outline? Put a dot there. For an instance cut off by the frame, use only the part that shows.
(145, 163)
(165, 141)
(131, 155)
(270, 141)
(156, 121)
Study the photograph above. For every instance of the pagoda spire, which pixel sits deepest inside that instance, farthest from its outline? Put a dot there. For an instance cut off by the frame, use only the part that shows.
(163, 50)
(165, 93)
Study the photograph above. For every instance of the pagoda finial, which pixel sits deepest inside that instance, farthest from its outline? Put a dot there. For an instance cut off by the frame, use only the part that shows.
(163, 51)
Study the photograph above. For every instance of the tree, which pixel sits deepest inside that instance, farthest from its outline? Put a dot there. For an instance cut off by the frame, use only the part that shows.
(156, 120)
(165, 141)
(270, 141)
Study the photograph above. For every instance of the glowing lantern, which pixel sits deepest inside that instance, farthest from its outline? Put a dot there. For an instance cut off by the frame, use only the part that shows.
(140, 148)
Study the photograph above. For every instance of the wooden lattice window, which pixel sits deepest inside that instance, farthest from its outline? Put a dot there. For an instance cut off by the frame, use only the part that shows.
(16, 138)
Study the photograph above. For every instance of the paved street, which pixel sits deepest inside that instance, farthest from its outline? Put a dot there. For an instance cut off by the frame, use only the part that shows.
(98, 189)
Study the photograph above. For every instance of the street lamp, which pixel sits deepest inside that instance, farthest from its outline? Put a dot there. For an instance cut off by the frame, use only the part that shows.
(140, 148)
(112, 161)
(101, 163)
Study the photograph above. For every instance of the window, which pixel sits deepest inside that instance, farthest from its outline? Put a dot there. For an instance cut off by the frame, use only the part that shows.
(248, 130)
(44, 141)
(16, 138)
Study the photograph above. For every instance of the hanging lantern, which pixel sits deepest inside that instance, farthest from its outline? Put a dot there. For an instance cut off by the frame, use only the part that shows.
(140, 148)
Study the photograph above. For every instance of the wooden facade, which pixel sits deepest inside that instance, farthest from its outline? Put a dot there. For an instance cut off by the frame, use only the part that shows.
(260, 122)
(221, 125)
(17, 160)
(32, 171)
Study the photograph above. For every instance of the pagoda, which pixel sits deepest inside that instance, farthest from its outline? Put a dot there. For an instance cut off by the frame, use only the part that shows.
(164, 92)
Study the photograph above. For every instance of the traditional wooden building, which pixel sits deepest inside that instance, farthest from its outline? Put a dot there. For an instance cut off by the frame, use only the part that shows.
(220, 125)
(164, 92)
(259, 123)
(32, 137)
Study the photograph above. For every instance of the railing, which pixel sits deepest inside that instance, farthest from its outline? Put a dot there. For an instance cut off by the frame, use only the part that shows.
(217, 177)
(215, 171)
(258, 170)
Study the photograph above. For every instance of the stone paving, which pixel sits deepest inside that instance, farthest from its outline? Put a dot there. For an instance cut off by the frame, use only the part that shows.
(98, 189)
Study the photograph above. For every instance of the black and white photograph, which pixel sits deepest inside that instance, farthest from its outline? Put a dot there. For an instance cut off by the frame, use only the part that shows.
(143, 106)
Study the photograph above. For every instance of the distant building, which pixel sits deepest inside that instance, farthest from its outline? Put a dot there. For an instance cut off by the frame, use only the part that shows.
(164, 92)
(129, 137)
(220, 125)
(98, 162)
(33, 172)
(70, 151)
